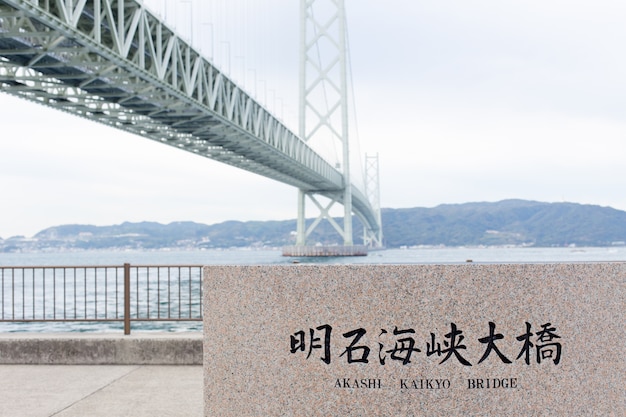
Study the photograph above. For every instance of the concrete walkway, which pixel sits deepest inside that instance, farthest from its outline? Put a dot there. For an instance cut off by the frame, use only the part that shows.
(101, 390)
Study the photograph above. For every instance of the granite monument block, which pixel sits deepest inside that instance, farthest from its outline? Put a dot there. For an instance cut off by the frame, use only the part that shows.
(413, 340)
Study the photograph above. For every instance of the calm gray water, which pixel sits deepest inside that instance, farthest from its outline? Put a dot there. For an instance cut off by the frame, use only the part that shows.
(274, 257)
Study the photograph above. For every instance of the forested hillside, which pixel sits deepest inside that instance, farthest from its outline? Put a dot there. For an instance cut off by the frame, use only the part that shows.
(508, 222)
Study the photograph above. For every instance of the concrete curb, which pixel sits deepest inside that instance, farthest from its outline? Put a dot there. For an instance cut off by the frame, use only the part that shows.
(101, 349)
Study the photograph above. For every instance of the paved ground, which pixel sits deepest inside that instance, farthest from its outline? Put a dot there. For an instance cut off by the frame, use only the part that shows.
(100, 390)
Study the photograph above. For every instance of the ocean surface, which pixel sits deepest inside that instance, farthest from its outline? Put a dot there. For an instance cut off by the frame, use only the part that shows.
(274, 257)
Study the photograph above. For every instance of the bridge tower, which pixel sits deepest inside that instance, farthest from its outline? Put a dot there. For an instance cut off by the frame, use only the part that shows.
(323, 110)
(373, 238)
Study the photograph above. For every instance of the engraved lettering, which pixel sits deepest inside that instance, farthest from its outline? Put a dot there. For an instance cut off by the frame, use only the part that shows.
(425, 384)
(492, 383)
(356, 383)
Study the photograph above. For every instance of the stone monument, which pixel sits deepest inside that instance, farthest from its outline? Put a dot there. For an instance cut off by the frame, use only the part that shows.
(413, 340)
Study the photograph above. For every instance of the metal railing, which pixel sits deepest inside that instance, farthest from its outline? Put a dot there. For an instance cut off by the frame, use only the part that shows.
(127, 293)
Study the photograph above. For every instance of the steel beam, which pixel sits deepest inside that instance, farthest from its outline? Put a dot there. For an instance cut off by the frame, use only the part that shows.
(114, 62)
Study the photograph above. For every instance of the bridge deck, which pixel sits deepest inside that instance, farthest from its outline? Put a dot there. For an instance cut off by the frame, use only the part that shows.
(120, 65)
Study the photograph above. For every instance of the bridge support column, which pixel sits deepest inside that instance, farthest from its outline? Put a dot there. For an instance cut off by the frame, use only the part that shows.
(303, 232)
(373, 238)
(325, 77)
(301, 222)
(347, 179)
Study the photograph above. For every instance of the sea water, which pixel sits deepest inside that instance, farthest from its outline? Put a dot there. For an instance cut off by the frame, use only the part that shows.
(428, 255)
(439, 255)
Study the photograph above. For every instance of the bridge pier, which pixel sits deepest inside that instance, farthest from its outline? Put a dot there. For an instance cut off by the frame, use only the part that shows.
(322, 251)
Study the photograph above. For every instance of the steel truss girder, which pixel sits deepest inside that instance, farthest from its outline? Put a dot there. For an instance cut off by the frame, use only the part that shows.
(114, 62)
(111, 50)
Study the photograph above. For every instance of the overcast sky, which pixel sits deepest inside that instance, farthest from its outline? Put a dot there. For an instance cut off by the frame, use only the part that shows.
(463, 101)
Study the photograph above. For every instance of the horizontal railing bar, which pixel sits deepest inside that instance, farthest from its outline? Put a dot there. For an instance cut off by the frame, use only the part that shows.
(170, 319)
(60, 320)
(96, 266)
(101, 320)
(166, 266)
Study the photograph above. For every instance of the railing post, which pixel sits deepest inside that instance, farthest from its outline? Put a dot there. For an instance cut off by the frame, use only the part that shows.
(126, 299)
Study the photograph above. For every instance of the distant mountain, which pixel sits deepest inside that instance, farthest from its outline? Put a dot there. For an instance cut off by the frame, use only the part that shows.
(146, 235)
(508, 222)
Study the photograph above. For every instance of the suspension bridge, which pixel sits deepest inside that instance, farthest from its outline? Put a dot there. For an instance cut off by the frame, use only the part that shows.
(115, 62)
